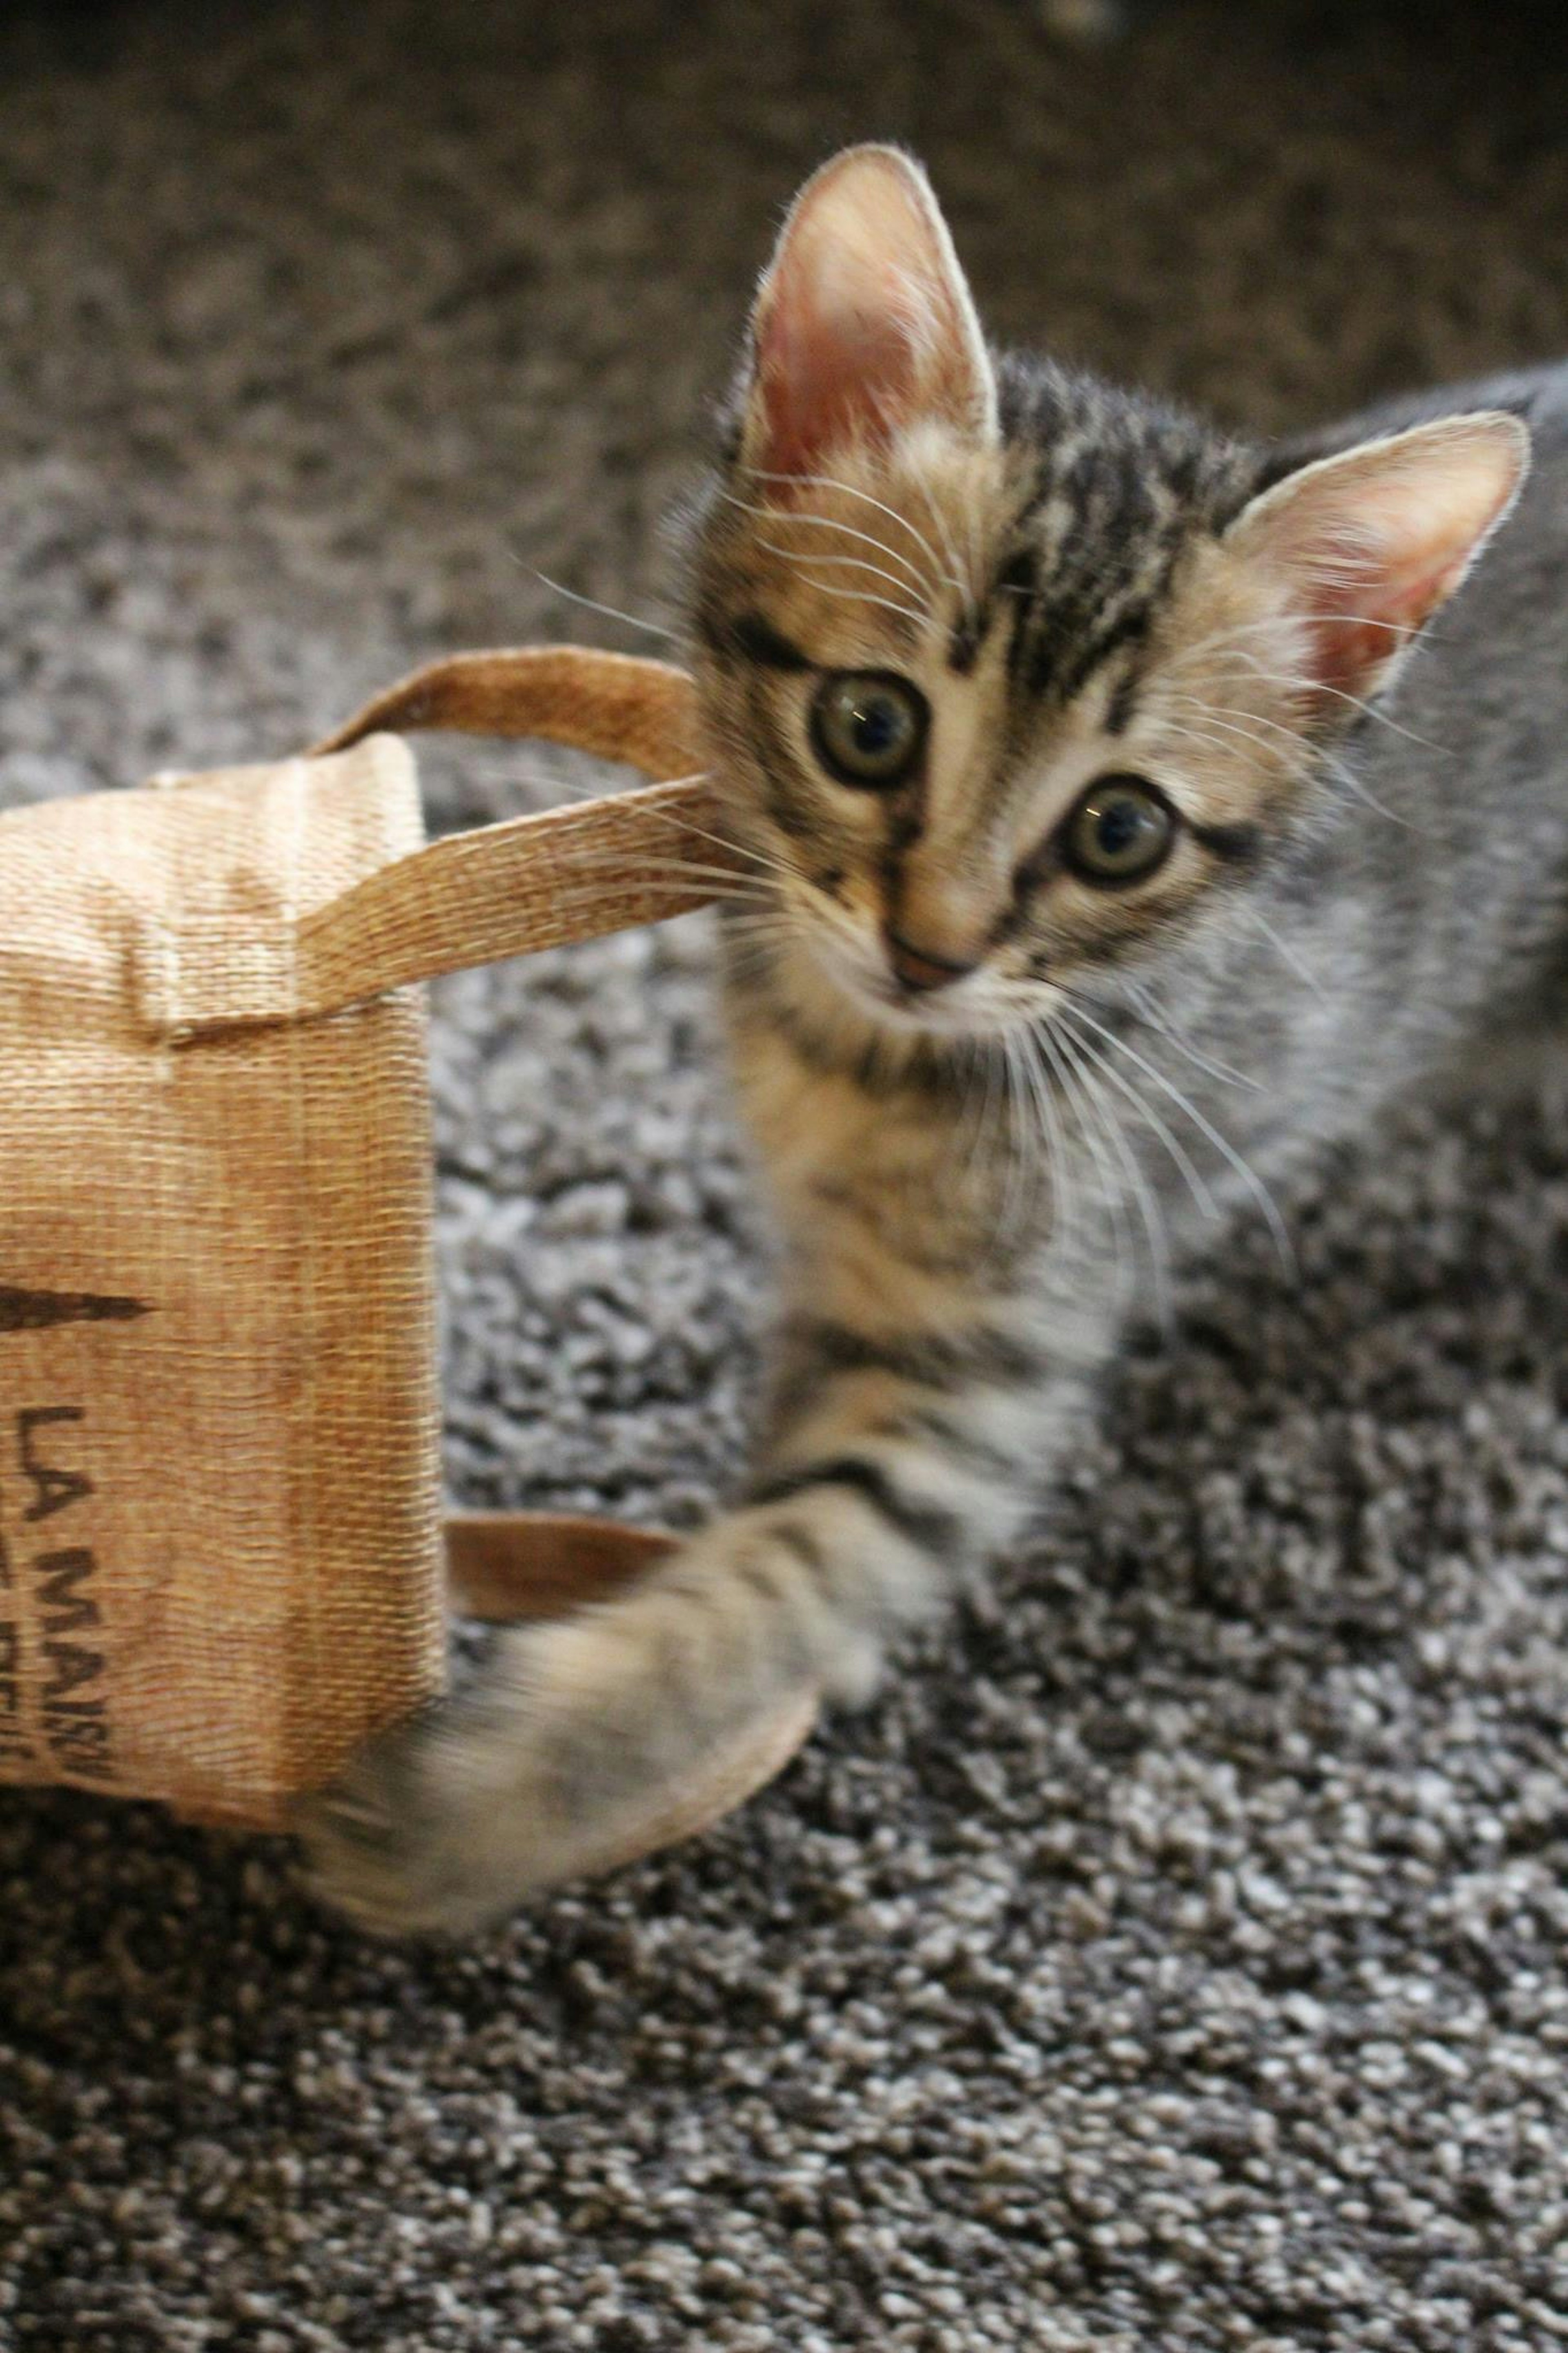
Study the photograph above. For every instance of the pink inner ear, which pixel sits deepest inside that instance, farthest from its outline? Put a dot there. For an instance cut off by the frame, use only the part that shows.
(1350, 648)
(1347, 657)
(863, 324)
(826, 374)
(1378, 539)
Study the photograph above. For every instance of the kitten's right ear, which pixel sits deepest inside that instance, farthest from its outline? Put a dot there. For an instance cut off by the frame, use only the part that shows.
(863, 324)
(1370, 544)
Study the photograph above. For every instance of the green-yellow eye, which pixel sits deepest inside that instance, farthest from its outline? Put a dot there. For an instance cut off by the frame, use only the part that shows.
(869, 727)
(1121, 830)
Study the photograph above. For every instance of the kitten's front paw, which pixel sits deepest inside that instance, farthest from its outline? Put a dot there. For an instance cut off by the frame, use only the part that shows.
(573, 1753)
(402, 1845)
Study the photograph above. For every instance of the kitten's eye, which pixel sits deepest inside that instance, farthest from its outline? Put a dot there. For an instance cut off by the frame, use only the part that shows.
(1121, 830)
(868, 727)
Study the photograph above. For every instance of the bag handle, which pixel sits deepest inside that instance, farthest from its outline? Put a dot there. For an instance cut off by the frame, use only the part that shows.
(528, 882)
(506, 1565)
(622, 706)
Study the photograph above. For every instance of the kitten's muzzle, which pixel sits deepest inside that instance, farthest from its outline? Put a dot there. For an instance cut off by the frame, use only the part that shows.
(920, 969)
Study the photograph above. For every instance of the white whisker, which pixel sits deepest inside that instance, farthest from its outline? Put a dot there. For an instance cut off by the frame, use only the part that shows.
(785, 516)
(829, 482)
(1073, 1099)
(1283, 948)
(592, 604)
(1302, 680)
(1148, 1208)
(1250, 1177)
(1015, 1166)
(1148, 1010)
(725, 881)
(1274, 627)
(1063, 1188)
(1203, 1199)
(840, 564)
(973, 1111)
(1301, 759)
(853, 595)
(684, 824)
(965, 592)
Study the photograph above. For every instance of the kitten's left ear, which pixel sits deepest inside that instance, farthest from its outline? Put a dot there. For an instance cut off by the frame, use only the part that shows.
(863, 324)
(1370, 543)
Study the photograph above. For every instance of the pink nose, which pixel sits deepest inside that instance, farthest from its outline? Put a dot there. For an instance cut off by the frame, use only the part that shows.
(919, 969)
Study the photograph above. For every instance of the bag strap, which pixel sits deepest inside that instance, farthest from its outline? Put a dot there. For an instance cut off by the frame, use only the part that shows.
(619, 705)
(528, 882)
(568, 874)
(503, 1565)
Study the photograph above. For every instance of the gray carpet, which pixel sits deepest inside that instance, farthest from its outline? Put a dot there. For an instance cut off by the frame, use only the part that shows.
(1174, 1957)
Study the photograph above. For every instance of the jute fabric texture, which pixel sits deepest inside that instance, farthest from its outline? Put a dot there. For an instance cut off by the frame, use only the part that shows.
(221, 1558)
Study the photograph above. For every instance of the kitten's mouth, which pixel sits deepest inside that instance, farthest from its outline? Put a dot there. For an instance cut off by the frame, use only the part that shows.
(847, 957)
(877, 993)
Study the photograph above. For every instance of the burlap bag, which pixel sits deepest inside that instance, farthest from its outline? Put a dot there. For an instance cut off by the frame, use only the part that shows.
(221, 1546)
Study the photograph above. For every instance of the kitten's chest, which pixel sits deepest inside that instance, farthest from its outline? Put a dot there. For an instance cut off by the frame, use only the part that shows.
(858, 1165)
(813, 1121)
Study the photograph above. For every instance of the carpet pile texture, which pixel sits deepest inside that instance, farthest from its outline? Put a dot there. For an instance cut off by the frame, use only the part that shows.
(1175, 1956)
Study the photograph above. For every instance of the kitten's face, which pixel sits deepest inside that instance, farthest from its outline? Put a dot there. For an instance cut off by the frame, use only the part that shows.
(1010, 681)
(983, 754)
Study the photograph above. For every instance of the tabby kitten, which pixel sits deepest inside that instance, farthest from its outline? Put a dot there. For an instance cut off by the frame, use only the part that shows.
(1108, 846)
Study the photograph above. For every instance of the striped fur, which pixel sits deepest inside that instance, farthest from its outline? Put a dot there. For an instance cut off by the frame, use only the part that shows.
(975, 1184)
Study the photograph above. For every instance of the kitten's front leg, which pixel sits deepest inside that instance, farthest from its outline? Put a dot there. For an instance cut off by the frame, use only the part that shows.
(901, 1460)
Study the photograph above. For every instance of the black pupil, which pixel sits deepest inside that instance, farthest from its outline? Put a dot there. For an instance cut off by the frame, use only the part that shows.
(875, 722)
(1120, 826)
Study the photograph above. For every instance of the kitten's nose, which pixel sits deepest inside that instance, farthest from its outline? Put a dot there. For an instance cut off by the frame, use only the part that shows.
(919, 968)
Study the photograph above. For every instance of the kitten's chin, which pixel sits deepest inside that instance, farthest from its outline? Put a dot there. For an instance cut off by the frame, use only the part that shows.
(917, 1017)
